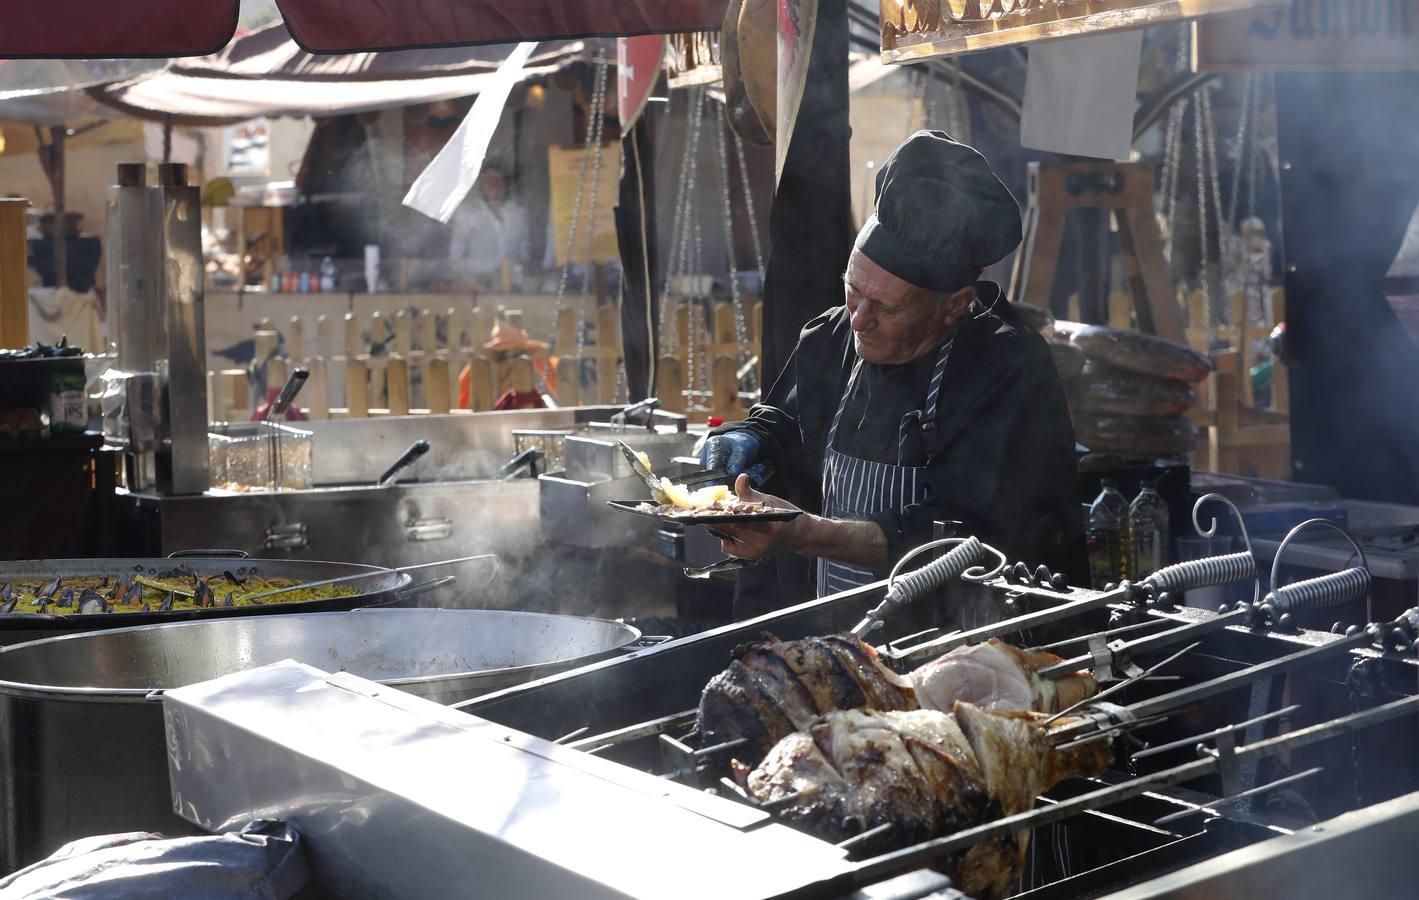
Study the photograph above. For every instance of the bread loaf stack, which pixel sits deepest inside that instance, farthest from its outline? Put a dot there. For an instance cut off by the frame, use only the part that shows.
(1129, 393)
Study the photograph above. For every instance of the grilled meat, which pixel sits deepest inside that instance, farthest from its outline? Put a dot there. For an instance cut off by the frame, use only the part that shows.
(774, 688)
(928, 774)
(994, 675)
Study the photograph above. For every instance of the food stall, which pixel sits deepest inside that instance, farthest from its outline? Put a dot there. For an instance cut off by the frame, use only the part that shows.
(969, 726)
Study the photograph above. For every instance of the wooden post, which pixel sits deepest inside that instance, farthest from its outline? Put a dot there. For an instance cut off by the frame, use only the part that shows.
(724, 387)
(295, 340)
(454, 335)
(323, 346)
(481, 382)
(1120, 311)
(568, 381)
(1280, 371)
(428, 330)
(317, 389)
(232, 390)
(378, 391)
(397, 382)
(357, 397)
(14, 293)
(403, 333)
(670, 383)
(520, 375)
(608, 352)
(436, 384)
(352, 336)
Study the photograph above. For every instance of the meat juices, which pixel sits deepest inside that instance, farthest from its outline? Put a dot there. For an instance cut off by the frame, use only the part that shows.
(927, 773)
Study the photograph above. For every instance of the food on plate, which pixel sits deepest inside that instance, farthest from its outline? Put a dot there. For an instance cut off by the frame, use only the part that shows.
(926, 774)
(179, 589)
(773, 688)
(680, 500)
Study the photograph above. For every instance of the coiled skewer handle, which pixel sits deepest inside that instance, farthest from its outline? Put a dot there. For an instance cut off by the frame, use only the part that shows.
(1321, 591)
(1230, 568)
(919, 581)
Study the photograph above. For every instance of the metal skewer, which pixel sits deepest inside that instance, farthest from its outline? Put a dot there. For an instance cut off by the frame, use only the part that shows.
(1209, 735)
(1108, 691)
(1236, 798)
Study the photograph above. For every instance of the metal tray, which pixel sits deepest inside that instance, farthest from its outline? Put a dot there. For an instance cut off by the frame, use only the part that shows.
(778, 515)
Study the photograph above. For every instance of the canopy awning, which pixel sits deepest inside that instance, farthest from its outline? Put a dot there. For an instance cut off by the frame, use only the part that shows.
(266, 74)
(94, 29)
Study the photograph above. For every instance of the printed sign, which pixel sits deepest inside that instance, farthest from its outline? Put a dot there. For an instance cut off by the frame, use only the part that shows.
(1312, 35)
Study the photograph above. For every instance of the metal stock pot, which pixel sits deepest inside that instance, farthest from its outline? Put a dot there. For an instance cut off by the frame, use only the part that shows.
(82, 748)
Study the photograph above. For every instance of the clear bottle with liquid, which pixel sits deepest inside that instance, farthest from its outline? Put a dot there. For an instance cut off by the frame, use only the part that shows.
(327, 275)
(1109, 555)
(1148, 531)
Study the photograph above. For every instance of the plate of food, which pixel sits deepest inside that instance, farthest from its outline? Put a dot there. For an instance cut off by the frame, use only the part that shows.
(714, 504)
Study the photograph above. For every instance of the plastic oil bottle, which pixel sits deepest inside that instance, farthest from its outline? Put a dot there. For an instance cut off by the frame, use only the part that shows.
(1148, 531)
(1109, 555)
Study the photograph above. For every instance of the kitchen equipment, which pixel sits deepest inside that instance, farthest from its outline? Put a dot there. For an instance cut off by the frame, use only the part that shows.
(288, 394)
(259, 456)
(345, 579)
(379, 586)
(405, 460)
(81, 749)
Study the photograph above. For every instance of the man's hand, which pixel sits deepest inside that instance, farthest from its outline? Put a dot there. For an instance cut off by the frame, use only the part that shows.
(859, 543)
(734, 452)
(755, 540)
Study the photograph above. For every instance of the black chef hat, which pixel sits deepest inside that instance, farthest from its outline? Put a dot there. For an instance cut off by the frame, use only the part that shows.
(941, 217)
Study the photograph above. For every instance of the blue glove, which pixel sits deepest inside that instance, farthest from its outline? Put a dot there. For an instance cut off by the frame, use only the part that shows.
(734, 452)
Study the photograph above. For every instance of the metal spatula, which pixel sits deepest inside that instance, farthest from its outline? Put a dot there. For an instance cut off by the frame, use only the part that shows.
(643, 472)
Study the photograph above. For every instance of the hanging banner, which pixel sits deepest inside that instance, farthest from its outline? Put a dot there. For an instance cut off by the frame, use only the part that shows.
(1311, 36)
(1079, 95)
(797, 20)
(441, 187)
(638, 62)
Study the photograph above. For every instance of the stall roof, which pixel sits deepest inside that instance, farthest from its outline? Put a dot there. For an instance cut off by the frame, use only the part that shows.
(265, 73)
(171, 28)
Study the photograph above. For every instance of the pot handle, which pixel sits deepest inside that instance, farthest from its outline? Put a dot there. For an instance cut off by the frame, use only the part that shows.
(220, 554)
(154, 696)
(414, 591)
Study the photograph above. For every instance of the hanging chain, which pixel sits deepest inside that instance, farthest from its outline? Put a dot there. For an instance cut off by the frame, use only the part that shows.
(1214, 187)
(1200, 155)
(749, 207)
(598, 105)
(576, 218)
(1244, 135)
(1172, 153)
(741, 327)
(696, 299)
(669, 336)
(687, 261)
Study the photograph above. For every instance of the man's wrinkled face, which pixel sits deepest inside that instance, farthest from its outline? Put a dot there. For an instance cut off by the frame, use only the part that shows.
(894, 321)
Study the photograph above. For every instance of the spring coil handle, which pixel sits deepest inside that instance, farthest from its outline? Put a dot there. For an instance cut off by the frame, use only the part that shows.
(1324, 590)
(1230, 568)
(1319, 592)
(960, 561)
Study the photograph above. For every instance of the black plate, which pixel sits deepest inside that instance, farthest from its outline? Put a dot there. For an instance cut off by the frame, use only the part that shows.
(778, 515)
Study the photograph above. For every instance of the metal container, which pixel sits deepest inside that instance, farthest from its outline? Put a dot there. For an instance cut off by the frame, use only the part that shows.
(82, 750)
(382, 586)
(259, 455)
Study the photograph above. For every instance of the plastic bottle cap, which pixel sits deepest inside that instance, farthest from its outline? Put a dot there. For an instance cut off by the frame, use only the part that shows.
(715, 421)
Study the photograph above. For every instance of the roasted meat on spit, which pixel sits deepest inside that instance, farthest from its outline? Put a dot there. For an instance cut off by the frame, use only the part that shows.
(924, 774)
(775, 688)
(996, 675)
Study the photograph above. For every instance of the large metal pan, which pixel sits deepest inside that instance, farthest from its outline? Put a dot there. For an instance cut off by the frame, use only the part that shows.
(81, 748)
(382, 587)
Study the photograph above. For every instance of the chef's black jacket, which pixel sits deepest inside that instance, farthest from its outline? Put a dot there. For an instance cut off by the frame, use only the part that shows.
(1006, 468)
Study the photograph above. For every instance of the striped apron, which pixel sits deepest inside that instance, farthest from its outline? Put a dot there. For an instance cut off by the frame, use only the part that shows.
(856, 488)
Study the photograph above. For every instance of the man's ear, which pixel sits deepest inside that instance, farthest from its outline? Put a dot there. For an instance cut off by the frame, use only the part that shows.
(956, 303)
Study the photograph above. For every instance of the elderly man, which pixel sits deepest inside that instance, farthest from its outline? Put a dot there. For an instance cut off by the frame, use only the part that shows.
(923, 397)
